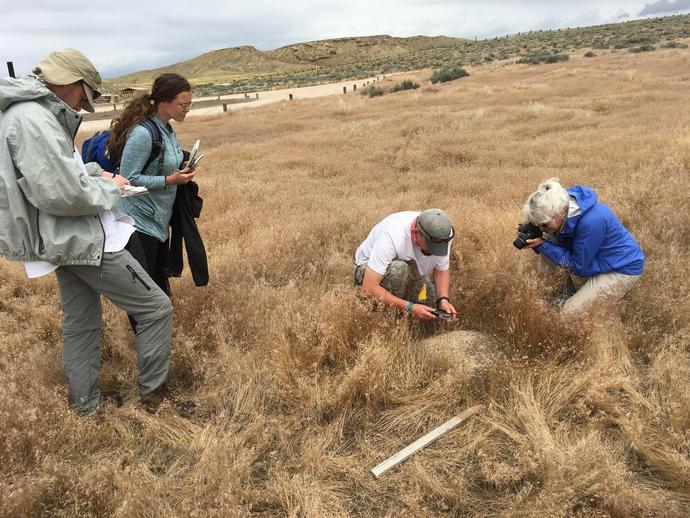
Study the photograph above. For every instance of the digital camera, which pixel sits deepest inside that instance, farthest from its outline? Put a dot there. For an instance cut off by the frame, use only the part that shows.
(526, 231)
(443, 315)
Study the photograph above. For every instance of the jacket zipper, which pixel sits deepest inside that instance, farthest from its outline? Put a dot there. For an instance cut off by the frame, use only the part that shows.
(137, 277)
(41, 247)
(102, 230)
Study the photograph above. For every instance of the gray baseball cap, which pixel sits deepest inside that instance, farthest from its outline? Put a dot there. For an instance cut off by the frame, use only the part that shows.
(437, 229)
(68, 66)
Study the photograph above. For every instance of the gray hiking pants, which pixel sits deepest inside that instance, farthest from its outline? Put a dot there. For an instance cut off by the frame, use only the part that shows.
(124, 282)
(403, 280)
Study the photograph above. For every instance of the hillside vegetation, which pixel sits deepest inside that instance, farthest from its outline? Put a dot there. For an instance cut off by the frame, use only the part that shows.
(301, 387)
(247, 69)
(246, 61)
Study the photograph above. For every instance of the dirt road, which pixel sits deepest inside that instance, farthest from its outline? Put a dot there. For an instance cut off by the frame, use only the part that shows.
(238, 101)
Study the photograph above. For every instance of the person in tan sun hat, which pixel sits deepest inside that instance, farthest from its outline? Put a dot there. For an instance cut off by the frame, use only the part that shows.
(69, 67)
(58, 215)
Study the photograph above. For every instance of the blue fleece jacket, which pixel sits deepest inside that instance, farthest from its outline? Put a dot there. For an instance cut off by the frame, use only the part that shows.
(151, 213)
(595, 241)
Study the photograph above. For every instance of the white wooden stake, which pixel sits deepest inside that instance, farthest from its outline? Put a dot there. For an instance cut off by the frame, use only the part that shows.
(424, 441)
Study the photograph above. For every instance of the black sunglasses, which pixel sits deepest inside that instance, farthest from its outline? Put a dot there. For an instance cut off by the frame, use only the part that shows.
(95, 94)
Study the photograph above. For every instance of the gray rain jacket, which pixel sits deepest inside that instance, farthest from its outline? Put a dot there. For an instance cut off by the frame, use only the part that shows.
(48, 206)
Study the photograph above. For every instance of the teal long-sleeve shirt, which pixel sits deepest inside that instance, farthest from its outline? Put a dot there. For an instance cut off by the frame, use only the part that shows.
(151, 212)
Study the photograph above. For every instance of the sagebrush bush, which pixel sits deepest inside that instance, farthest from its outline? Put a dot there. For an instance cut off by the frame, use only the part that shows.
(674, 45)
(642, 48)
(372, 91)
(444, 75)
(408, 84)
(535, 58)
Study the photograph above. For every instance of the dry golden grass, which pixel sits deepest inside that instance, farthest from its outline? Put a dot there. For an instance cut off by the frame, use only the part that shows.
(302, 389)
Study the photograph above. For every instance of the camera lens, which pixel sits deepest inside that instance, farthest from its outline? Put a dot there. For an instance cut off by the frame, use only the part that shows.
(520, 242)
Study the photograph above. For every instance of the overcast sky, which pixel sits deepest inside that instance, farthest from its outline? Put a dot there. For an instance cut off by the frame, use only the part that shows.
(122, 36)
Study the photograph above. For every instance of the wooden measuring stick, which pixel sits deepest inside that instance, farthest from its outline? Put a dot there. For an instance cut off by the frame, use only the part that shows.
(424, 441)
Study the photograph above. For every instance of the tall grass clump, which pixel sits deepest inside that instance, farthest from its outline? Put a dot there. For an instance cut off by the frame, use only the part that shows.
(443, 75)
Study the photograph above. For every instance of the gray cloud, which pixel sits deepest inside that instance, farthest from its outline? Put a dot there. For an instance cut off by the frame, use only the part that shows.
(132, 35)
(665, 6)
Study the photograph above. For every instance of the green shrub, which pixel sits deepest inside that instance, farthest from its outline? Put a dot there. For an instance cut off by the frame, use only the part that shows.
(443, 75)
(372, 91)
(407, 84)
(642, 48)
(675, 45)
(643, 41)
(535, 58)
(590, 54)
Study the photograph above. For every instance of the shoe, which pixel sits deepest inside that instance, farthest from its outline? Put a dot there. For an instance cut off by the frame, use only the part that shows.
(111, 397)
(560, 300)
(152, 400)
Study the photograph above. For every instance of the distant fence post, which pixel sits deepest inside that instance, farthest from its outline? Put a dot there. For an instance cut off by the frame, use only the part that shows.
(246, 96)
(257, 95)
(225, 107)
(354, 88)
(219, 97)
(344, 89)
(114, 107)
(290, 96)
(10, 69)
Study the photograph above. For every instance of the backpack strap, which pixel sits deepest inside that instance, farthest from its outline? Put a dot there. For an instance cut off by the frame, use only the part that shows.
(157, 145)
(92, 141)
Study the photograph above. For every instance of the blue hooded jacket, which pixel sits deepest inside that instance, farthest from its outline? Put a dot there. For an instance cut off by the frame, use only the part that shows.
(595, 241)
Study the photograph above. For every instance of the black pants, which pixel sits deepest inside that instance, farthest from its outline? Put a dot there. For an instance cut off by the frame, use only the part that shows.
(152, 255)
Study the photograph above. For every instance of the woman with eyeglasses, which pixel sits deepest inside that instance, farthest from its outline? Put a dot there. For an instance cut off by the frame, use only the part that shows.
(585, 237)
(159, 172)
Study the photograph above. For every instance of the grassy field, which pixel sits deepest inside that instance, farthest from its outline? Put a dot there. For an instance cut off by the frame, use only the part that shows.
(301, 388)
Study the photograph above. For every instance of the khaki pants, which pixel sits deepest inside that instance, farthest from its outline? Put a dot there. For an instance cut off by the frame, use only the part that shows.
(121, 279)
(610, 285)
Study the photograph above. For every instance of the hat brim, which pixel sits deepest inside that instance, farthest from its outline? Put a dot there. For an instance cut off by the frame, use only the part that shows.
(88, 106)
(439, 249)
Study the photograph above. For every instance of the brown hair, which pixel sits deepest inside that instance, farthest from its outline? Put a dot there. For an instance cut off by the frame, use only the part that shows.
(165, 88)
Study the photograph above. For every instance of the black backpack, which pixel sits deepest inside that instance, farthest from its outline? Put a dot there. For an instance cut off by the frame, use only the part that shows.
(94, 149)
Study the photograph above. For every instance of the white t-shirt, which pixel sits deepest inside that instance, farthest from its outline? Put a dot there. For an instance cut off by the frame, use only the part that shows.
(118, 228)
(392, 239)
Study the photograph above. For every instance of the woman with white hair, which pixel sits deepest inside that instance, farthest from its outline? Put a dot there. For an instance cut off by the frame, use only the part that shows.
(586, 238)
